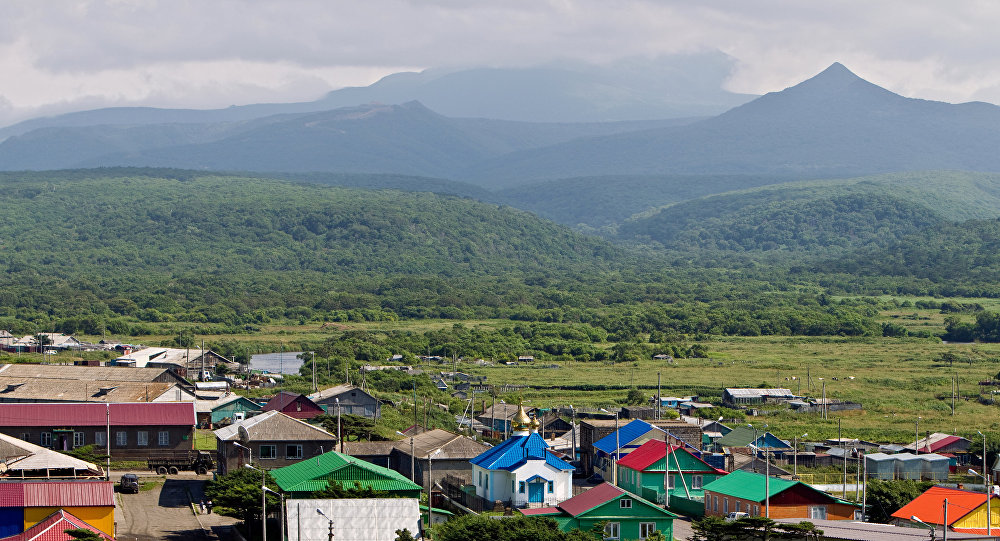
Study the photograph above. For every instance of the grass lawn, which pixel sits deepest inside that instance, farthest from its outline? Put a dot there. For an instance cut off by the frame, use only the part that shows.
(204, 440)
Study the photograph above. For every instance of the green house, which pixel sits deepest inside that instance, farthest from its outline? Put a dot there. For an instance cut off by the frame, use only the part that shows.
(231, 408)
(627, 516)
(302, 478)
(656, 468)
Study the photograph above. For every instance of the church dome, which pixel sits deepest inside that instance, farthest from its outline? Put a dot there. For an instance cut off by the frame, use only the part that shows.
(521, 420)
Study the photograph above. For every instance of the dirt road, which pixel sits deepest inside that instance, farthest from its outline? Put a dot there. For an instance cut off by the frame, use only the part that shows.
(165, 513)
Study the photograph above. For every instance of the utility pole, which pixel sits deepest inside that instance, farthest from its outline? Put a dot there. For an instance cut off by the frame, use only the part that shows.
(658, 396)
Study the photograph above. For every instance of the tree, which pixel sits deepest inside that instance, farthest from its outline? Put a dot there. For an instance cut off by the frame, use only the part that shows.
(887, 497)
(712, 528)
(635, 397)
(351, 426)
(404, 535)
(515, 528)
(237, 494)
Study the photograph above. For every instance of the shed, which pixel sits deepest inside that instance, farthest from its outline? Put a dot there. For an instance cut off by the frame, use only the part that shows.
(880, 466)
(909, 466)
(935, 467)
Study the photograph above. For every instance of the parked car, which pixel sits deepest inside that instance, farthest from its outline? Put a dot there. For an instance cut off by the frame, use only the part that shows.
(736, 515)
(129, 484)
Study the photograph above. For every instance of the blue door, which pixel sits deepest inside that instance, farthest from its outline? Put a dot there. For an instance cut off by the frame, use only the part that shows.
(536, 492)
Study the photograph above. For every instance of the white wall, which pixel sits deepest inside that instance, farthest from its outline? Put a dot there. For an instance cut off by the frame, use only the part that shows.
(367, 519)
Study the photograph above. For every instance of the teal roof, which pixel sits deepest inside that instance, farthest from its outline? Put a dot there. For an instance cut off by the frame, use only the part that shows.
(751, 486)
(316, 473)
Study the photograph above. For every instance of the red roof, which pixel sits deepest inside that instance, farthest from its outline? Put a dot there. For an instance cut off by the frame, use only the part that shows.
(95, 414)
(293, 405)
(944, 442)
(69, 494)
(541, 511)
(648, 453)
(929, 506)
(581, 503)
(53, 528)
(11, 495)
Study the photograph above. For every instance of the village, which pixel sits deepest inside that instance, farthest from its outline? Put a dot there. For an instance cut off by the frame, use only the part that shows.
(174, 421)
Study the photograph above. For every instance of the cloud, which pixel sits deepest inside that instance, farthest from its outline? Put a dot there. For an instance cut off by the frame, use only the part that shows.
(222, 52)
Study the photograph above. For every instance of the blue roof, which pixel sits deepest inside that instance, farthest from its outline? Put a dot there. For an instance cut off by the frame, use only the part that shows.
(516, 451)
(626, 434)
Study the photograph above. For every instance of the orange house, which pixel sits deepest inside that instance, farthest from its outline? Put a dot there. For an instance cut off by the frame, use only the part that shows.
(753, 493)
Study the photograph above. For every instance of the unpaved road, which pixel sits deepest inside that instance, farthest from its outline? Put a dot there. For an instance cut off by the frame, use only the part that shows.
(164, 513)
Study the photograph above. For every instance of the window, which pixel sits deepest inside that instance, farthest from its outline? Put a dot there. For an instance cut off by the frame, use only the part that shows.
(696, 482)
(670, 482)
(480, 478)
(859, 516)
(487, 485)
(715, 504)
(611, 530)
(520, 487)
(45, 439)
(725, 506)
(142, 438)
(100, 439)
(552, 487)
(512, 489)
(625, 503)
(163, 438)
(293, 451)
(121, 438)
(817, 512)
(646, 529)
(739, 504)
(79, 439)
(25, 436)
(756, 510)
(268, 452)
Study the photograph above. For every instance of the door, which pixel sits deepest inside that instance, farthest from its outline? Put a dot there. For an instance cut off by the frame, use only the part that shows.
(536, 492)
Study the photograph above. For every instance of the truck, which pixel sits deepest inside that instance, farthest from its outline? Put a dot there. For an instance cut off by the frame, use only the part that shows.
(171, 462)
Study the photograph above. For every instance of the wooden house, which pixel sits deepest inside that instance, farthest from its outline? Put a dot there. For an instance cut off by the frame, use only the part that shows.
(352, 400)
(294, 405)
(271, 440)
(753, 493)
(625, 515)
(656, 469)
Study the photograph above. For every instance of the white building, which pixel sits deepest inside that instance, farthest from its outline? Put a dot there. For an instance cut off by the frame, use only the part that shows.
(521, 470)
(366, 519)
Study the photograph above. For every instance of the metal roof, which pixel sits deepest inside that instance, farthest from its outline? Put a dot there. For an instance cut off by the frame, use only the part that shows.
(652, 451)
(754, 393)
(316, 473)
(930, 509)
(88, 373)
(11, 495)
(453, 446)
(283, 402)
(593, 498)
(516, 451)
(53, 528)
(26, 389)
(626, 434)
(69, 494)
(751, 486)
(93, 414)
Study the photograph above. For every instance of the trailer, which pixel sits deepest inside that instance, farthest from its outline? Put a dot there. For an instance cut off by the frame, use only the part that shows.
(173, 462)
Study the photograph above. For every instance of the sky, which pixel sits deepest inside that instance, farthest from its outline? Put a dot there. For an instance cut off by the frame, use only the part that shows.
(66, 55)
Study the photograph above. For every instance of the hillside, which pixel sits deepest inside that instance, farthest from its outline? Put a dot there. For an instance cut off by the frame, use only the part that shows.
(832, 125)
(821, 216)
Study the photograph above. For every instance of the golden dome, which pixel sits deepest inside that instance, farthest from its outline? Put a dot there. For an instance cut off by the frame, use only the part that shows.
(535, 424)
(521, 420)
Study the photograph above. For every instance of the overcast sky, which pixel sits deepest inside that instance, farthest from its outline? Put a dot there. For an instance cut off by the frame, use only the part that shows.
(59, 55)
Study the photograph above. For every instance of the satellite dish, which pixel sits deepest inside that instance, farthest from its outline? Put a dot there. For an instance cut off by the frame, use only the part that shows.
(244, 435)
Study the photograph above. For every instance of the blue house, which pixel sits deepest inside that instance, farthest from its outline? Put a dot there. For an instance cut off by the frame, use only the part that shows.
(622, 442)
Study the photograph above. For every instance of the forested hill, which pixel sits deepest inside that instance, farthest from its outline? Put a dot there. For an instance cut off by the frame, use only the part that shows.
(821, 217)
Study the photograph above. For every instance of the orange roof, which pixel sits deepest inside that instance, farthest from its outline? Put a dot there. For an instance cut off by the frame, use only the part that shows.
(929, 506)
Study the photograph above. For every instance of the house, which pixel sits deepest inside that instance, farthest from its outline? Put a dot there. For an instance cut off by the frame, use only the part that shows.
(745, 436)
(70, 390)
(690, 408)
(656, 468)
(363, 519)
(711, 433)
(273, 438)
(27, 504)
(184, 362)
(353, 401)
(521, 470)
(626, 515)
(498, 416)
(452, 459)
(754, 493)
(294, 405)
(225, 410)
(305, 477)
(53, 528)
(135, 428)
(966, 510)
(13, 373)
(593, 430)
(621, 442)
(944, 443)
(739, 398)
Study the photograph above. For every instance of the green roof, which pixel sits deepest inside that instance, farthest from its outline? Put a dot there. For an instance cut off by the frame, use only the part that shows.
(316, 473)
(750, 486)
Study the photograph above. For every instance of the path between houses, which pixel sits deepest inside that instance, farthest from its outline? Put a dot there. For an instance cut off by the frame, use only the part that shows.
(165, 513)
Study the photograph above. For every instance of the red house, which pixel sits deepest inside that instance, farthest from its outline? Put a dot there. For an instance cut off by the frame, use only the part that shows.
(294, 405)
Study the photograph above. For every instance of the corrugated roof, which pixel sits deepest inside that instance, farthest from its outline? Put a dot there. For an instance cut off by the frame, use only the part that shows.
(929, 506)
(333, 466)
(83, 373)
(274, 426)
(69, 494)
(516, 451)
(581, 503)
(751, 486)
(453, 446)
(626, 434)
(12, 494)
(21, 456)
(93, 414)
(70, 390)
(652, 451)
(283, 402)
(753, 393)
(333, 392)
